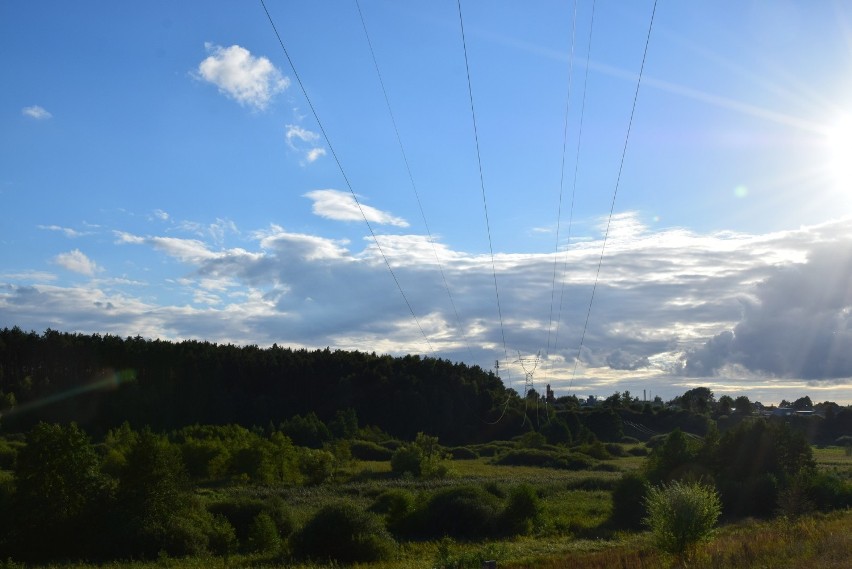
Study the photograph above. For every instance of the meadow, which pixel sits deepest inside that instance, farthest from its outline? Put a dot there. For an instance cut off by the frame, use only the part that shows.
(573, 527)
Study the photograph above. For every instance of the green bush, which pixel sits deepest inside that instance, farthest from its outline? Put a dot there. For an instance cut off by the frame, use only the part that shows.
(263, 535)
(681, 514)
(222, 539)
(366, 450)
(406, 459)
(628, 501)
(527, 457)
(317, 466)
(596, 450)
(463, 453)
(8, 454)
(464, 512)
(522, 510)
(242, 511)
(344, 533)
(638, 451)
(397, 505)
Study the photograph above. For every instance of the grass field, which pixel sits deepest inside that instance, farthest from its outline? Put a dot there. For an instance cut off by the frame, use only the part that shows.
(572, 531)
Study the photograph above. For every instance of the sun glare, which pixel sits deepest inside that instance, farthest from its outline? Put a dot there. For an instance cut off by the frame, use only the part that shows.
(839, 147)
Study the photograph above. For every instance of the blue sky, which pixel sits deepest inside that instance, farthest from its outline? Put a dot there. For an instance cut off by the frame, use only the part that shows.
(162, 174)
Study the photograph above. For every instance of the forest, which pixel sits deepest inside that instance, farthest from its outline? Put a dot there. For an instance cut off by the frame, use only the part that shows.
(134, 451)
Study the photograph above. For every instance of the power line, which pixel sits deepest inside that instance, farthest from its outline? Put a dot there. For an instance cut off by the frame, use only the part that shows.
(614, 193)
(576, 170)
(411, 178)
(482, 182)
(343, 173)
(562, 178)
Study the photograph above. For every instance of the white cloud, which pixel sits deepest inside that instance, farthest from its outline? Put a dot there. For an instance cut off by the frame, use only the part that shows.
(161, 215)
(314, 153)
(304, 141)
(189, 250)
(124, 237)
(66, 230)
(662, 296)
(28, 276)
(295, 132)
(247, 79)
(77, 262)
(341, 206)
(36, 112)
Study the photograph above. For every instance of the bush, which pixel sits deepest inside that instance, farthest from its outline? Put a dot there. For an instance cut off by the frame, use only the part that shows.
(406, 459)
(681, 514)
(465, 512)
(263, 535)
(527, 457)
(222, 538)
(344, 533)
(366, 450)
(463, 453)
(317, 466)
(595, 450)
(241, 513)
(397, 505)
(522, 511)
(628, 501)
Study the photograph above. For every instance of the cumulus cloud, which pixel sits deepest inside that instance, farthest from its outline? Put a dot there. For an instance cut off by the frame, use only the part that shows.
(341, 206)
(673, 308)
(295, 132)
(251, 81)
(797, 322)
(304, 141)
(36, 112)
(76, 261)
(314, 154)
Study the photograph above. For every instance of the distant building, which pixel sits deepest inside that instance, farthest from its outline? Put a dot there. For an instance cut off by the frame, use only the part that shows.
(549, 397)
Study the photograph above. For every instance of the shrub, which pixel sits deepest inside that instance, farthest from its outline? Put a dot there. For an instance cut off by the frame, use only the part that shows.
(406, 459)
(681, 514)
(522, 510)
(595, 450)
(638, 451)
(263, 535)
(423, 457)
(316, 466)
(628, 501)
(463, 453)
(397, 505)
(466, 512)
(344, 533)
(222, 538)
(366, 450)
(241, 512)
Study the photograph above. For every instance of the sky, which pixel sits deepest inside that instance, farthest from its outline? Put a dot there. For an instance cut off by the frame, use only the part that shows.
(380, 181)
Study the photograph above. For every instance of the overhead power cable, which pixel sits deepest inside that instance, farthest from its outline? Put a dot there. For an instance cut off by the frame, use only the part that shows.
(411, 179)
(576, 170)
(562, 180)
(482, 182)
(614, 193)
(343, 173)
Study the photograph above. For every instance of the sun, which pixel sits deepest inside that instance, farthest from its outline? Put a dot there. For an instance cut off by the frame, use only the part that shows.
(839, 149)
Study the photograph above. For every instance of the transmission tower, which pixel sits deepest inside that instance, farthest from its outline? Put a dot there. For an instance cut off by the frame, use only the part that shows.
(529, 366)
